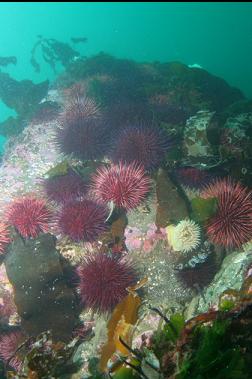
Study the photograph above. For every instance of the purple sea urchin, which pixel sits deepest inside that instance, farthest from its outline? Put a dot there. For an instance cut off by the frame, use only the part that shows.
(65, 187)
(82, 220)
(103, 281)
(83, 132)
(145, 145)
(192, 177)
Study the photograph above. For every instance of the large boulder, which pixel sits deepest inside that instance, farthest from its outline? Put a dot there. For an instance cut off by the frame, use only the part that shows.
(43, 298)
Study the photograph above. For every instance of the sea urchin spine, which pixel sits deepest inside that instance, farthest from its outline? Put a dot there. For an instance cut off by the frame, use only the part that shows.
(4, 237)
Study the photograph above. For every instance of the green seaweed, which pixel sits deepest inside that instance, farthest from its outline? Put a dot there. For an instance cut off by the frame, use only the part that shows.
(126, 373)
(211, 345)
(173, 329)
(164, 339)
(214, 355)
(93, 368)
(59, 170)
(203, 209)
(226, 305)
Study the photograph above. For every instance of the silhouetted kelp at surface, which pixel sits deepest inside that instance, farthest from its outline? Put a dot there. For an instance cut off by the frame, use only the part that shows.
(79, 39)
(24, 97)
(54, 51)
(5, 61)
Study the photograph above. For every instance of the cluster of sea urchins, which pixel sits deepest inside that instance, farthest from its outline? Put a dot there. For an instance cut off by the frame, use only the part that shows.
(82, 210)
(86, 133)
(82, 216)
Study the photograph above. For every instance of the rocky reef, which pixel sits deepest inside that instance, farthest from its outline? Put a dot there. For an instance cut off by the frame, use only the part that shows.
(119, 267)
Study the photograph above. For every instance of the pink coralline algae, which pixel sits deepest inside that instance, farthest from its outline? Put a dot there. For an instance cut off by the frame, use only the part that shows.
(27, 158)
(156, 234)
(135, 239)
(7, 305)
(153, 236)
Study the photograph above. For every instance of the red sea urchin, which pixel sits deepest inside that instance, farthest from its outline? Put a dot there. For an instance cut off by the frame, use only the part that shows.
(103, 281)
(29, 216)
(4, 237)
(124, 184)
(65, 187)
(219, 186)
(145, 145)
(83, 132)
(82, 220)
(232, 224)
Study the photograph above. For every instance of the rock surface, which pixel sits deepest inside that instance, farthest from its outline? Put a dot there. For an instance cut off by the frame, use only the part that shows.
(172, 206)
(43, 298)
(230, 276)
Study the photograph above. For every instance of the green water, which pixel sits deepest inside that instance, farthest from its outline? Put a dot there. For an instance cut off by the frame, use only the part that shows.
(217, 36)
